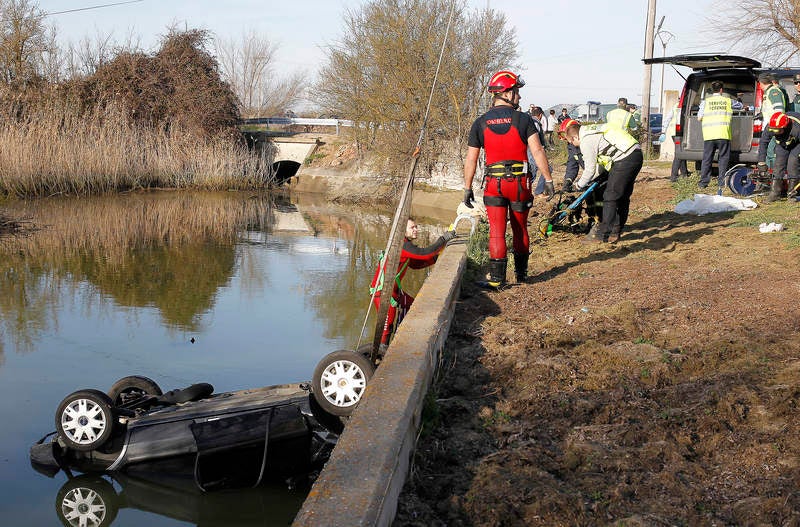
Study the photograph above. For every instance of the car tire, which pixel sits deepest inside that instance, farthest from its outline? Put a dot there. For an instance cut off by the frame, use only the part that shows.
(339, 381)
(129, 389)
(85, 419)
(87, 500)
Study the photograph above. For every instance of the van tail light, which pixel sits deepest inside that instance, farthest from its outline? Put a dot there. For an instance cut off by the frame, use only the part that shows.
(678, 127)
(759, 97)
(758, 124)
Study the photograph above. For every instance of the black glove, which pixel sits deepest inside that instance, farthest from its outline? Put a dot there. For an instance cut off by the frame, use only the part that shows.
(448, 235)
(469, 197)
(549, 189)
(567, 186)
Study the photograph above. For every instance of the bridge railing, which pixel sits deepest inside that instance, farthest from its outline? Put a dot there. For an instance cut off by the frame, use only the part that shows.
(302, 121)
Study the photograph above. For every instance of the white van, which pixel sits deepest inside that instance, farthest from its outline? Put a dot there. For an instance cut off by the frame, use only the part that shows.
(739, 78)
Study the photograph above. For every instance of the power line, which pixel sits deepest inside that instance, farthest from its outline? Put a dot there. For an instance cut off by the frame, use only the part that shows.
(91, 7)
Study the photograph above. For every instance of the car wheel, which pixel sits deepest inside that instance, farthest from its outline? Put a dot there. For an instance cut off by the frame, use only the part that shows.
(84, 419)
(129, 389)
(86, 501)
(339, 381)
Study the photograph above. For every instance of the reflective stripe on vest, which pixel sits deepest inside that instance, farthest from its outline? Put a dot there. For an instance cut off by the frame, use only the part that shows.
(619, 118)
(619, 141)
(717, 116)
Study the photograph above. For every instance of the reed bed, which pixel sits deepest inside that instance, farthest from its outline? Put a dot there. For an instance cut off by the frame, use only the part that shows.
(56, 150)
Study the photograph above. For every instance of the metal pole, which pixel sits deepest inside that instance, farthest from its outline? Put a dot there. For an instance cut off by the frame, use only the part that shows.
(663, 54)
(661, 84)
(648, 71)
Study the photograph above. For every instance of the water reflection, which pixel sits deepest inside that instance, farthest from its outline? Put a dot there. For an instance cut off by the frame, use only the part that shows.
(96, 501)
(170, 251)
(174, 252)
(237, 290)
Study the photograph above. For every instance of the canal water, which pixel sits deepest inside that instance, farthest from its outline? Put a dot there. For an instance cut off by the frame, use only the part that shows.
(234, 289)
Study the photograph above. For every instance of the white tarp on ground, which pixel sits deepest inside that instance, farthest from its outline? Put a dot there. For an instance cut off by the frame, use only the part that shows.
(707, 204)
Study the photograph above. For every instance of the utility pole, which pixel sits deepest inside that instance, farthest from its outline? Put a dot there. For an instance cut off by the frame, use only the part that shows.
(648, 70)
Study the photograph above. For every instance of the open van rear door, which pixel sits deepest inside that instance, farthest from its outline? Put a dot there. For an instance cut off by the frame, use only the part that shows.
(706, 61)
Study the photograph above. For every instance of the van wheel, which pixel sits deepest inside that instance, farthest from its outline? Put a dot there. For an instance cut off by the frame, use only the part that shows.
(84, 419)
(339, 381)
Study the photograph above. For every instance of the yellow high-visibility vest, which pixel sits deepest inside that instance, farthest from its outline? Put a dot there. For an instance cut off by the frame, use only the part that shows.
(717, 114)
(619, 118)
(618, 141)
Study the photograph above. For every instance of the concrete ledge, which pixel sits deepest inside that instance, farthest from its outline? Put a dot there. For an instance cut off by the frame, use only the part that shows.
(361, 482)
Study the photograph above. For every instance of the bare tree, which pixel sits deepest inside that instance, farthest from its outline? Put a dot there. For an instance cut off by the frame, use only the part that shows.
(23, 41)
(249, 67)
(381, 71)
(82, 59)
(766, 29)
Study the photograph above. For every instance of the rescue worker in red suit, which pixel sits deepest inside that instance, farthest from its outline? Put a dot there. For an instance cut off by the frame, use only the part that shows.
(411, 256)
(506, 134)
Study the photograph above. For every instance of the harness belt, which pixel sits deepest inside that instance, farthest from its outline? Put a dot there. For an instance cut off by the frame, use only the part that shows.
(507, 169)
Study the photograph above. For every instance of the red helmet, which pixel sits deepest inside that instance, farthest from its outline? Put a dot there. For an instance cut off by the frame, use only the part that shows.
(778, 123)
(566, 123)
(504, 81)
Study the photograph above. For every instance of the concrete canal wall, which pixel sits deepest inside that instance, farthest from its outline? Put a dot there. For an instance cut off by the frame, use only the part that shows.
(361, 482)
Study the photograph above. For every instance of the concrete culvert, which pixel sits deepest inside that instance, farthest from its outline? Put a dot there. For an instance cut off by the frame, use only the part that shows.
(284, 170)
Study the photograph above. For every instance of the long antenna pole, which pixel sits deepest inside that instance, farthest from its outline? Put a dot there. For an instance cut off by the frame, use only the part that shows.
(394, 245)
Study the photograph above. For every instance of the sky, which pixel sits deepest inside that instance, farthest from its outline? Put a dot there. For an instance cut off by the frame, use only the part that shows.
(572, 51)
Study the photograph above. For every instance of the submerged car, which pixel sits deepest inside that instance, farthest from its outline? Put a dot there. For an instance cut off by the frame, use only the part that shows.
(282, 426)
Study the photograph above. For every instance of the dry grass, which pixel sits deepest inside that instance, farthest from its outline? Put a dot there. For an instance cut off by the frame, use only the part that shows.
(649, 382)
(57, 151)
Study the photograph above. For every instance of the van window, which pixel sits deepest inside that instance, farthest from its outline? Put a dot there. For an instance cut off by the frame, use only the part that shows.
(743, 91)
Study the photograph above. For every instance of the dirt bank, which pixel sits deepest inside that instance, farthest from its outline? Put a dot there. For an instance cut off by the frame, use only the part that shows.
(651, 382)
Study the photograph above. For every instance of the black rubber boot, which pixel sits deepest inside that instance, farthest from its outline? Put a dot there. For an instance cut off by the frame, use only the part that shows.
(521, 267)
(775, 191)
(791, 191)
(497, 274)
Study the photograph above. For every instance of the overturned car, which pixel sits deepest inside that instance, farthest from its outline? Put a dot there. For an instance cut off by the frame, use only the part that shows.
(280, 430)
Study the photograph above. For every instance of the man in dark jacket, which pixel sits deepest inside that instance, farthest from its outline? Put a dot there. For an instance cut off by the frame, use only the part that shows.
(785, 128)
(574, 156)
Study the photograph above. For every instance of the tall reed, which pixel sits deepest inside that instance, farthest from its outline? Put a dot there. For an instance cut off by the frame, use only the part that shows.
(55, 149)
